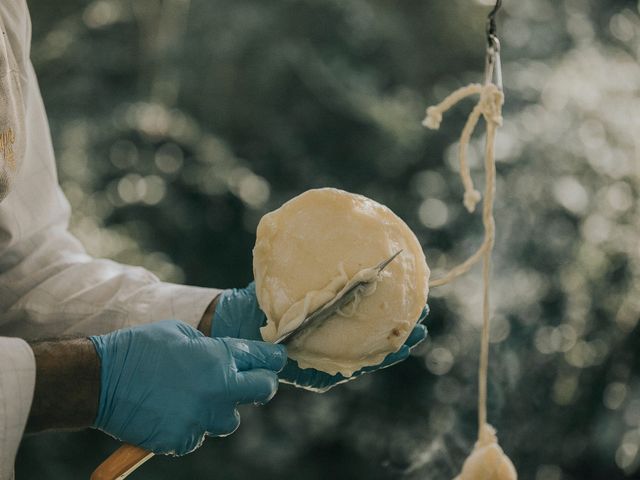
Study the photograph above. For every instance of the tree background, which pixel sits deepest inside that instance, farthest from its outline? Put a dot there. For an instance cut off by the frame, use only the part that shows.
(178, 123)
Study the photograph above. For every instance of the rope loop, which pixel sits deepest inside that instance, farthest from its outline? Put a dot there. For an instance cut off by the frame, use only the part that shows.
(489, 106)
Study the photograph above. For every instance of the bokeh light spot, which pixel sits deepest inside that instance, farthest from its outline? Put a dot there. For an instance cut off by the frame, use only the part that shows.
(439, 360)
(433, 213)
(614, 395)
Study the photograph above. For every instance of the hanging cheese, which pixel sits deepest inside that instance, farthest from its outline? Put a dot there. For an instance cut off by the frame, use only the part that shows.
(487, 460)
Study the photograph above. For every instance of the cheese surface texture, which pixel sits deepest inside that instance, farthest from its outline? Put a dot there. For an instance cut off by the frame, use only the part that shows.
(315, 246)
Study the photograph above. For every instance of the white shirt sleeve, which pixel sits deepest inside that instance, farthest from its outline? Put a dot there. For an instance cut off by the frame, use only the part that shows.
(17, 380)
(50, 287)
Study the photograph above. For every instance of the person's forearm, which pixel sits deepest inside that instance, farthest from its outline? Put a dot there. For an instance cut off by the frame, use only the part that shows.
(205, 323)
(67, 390)
(67, 386)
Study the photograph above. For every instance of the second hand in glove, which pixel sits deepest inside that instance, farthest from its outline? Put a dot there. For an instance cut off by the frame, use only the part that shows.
(238, 315)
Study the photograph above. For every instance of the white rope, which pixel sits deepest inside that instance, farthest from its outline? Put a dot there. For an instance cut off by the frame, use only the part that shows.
(490, 108)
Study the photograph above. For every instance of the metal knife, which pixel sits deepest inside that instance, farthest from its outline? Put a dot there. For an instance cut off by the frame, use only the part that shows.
(331, 308)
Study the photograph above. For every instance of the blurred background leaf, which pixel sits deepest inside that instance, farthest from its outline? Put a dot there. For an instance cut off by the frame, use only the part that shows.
(178, 123)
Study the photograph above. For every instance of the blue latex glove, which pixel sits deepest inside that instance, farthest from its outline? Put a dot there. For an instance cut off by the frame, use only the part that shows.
(238, 315)
(165, 385)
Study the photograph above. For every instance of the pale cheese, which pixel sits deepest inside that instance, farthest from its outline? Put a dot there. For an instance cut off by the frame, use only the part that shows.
(313, 246)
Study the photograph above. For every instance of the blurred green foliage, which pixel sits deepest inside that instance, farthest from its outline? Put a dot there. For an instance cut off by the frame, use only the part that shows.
(179, 123)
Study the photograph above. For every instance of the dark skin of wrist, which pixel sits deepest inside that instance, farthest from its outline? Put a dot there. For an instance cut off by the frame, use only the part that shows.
(67, 385)
(67, 389)
(205, 323)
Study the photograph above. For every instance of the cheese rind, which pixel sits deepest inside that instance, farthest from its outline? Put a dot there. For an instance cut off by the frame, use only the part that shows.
(311, 249)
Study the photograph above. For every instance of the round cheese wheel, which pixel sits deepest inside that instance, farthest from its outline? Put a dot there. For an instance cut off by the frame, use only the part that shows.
(310, 250)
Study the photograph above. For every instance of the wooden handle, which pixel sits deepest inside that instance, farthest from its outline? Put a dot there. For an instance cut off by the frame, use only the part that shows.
(121, 463)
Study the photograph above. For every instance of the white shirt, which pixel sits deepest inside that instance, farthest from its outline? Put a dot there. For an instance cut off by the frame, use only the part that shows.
(49, 286)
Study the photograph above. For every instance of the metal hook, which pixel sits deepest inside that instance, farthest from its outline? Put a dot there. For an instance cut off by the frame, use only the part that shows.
(493, 66)
(491, 24)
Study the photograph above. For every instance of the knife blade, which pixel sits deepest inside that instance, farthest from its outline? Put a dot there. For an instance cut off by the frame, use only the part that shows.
(332, 307)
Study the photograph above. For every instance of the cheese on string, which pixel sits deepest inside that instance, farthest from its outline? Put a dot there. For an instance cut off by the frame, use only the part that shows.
(487, 461)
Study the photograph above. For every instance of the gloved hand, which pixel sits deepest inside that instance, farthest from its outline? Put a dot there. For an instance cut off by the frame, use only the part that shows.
(165, 385)
(238, 315)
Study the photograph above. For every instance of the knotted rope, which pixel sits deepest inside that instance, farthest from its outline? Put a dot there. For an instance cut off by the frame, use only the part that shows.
(490, 108)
